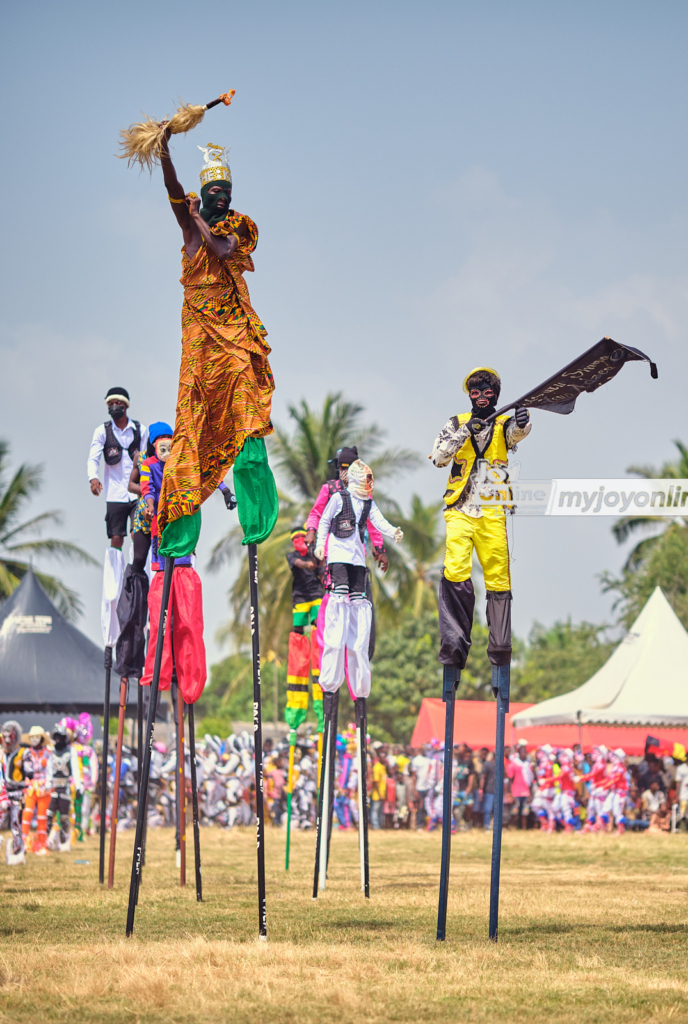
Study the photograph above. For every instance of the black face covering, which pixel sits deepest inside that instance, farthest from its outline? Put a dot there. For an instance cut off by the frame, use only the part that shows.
(210, 212)
(60, 741)
(117, 410)
(483, 411)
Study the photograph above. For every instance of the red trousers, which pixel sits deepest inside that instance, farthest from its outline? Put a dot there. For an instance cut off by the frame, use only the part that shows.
(186, 635)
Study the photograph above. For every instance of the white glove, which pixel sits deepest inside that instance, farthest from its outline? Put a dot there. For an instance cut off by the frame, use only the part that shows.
(320, 552)
(398, 536)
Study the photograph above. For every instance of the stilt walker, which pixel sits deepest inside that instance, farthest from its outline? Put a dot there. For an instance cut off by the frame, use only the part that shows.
(194, 804)
(477, 445)
(306, 593)
(347, 623)
(113, 576)
(224, 346)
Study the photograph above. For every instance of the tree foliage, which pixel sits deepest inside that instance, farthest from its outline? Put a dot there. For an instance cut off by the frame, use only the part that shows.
(559, 659)
(20, 541)
(665, 565)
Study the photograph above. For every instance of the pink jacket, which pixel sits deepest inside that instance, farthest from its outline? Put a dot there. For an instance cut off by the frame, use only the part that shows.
(315, 515)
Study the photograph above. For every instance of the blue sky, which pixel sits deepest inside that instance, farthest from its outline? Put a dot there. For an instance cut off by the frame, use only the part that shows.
(436, 186)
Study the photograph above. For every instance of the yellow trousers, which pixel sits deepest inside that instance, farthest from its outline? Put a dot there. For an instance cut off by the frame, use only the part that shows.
(487, 535)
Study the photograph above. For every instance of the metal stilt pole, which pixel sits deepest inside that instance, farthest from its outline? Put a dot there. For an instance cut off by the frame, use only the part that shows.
(450, 682)
(123, 693)
(145, 770)
(290, 788)
(194, 804)
(332, 767)
(501, 682)
(258, 739)
(181, 787)
(321, 818)
(362, 748)
(104, 767)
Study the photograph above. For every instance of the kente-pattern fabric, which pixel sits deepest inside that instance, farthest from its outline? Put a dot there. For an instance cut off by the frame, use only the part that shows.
(225, 381)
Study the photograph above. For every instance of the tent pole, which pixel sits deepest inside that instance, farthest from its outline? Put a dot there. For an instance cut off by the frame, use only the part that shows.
(104, 767)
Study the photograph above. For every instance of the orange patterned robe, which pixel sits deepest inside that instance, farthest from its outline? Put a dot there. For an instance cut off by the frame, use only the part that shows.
(225, 381)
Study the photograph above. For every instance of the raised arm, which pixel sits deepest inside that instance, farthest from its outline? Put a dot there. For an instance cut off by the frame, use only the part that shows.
(451, 437)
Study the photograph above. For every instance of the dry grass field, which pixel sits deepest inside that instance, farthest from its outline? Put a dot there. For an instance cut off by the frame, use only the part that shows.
(593, 928)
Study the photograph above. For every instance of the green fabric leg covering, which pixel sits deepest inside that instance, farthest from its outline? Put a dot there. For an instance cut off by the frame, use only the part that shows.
(294, 717)
(256, 491)
(180, 536)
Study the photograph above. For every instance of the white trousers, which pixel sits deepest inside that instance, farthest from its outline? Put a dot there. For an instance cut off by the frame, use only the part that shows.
(347, 628)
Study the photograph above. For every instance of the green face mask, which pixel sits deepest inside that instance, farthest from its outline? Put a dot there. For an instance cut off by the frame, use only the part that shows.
(211, 212)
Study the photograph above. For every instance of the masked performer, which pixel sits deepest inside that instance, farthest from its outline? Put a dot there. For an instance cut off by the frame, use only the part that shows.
(465, 441)
(117, 441)
(306, 596)
(340, 465)
(38, 774)
(88, 762)
(225, 383)
(65, 770)
(342, 461)
(348, 615)
(186, 635)
(15, 784)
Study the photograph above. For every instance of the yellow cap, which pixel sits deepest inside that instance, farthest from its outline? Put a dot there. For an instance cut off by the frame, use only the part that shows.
(476, 370)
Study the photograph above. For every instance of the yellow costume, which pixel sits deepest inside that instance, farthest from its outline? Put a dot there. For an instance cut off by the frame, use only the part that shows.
(465, 443)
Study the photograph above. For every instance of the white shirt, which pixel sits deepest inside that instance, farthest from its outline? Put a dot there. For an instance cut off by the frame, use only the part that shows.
(350, 549)
(682, 779)
(423, 768)
(116, 478)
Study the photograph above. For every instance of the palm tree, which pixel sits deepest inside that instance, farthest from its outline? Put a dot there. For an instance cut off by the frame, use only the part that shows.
(415, 567)
(300, 459)
(14, 544)
(676, 469)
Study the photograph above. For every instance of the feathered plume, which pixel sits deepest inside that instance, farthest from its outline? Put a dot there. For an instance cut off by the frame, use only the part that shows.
(142, 142)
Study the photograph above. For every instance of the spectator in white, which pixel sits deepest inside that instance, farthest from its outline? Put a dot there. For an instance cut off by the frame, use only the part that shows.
(423, 768)
(117, 442)
(652, 799)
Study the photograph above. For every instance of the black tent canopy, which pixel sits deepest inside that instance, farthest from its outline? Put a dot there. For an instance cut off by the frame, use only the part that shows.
(46, 664)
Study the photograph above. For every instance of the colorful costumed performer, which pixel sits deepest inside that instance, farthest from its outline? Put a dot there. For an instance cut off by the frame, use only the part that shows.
(15, 784)
(477, 446)
(65, 769)
(36, 769)
(89, 775)
(306, 596)
(223, 414)
(347, 630)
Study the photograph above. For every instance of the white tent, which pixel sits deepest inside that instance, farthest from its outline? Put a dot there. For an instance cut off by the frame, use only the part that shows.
(644, 682)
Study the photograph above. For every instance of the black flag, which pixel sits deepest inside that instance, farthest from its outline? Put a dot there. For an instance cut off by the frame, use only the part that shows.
(589, 372)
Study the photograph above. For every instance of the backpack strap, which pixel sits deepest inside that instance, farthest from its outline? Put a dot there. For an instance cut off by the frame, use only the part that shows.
(364, 517)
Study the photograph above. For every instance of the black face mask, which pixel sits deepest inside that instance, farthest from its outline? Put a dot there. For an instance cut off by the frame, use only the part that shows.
(210, 212)
(483, 411)
(60, 742)
(117, 411)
